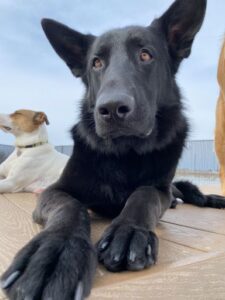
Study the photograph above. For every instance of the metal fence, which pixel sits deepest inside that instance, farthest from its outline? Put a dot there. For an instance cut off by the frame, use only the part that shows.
(198, 156)
(65, 149)
(5, 151)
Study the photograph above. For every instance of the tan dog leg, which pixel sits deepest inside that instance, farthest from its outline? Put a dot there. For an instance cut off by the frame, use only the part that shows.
(222, 179)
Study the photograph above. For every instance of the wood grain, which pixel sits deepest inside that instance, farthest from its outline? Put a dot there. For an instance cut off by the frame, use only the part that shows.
(198, 281)
(16, 230)
(190, 237)
(191, 260)
(24, 201)
(205, 219)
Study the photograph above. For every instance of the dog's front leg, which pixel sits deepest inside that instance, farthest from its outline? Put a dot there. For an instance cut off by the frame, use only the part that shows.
(4, 167)
(16, 181)
(59, 262)
(130, 242)
(2, 171)
(13, 184)
(6, 186)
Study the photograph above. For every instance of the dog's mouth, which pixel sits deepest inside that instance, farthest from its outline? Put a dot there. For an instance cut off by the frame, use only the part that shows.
(120, 134)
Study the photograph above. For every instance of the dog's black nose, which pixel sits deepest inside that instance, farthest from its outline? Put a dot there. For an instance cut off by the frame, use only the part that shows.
(116, 109)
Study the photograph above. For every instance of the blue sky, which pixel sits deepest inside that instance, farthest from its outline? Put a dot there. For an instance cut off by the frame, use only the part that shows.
(33, 77)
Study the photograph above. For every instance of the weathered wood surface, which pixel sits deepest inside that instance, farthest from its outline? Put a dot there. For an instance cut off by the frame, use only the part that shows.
(191, 261)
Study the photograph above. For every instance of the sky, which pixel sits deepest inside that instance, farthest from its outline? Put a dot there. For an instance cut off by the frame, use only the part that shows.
(32, 76)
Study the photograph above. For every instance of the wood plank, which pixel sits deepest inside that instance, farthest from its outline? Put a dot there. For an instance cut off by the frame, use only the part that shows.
(16, 230)
(199, 281)
(25, 201)
(172, 251)
(206, 219)
(2, 296)
(193, 238)
(186, 234)
(169, 254)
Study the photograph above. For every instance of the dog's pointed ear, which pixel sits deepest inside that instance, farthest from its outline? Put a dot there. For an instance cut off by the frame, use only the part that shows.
(180, 23)
(40, 118)
(72, 46)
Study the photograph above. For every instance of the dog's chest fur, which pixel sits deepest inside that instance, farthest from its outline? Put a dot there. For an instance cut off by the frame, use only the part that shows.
(105, 181)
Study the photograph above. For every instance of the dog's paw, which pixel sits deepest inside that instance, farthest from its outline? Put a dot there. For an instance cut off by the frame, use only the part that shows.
(174, 203)
(51, 267)
(127, 247)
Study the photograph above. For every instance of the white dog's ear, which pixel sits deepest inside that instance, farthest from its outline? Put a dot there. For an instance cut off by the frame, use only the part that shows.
(40, 118)
(72, 46)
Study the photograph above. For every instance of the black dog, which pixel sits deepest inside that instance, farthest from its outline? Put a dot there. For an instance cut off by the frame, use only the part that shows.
(127, 146)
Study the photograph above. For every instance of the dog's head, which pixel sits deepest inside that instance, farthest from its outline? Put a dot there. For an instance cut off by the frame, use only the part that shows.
(129, 72)
(22, 121)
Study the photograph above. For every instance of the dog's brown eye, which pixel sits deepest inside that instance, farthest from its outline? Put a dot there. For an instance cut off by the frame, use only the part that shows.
(97, 63)
(145, 55)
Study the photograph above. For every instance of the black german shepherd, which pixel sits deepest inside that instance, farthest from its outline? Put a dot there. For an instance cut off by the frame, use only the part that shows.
(127, 145)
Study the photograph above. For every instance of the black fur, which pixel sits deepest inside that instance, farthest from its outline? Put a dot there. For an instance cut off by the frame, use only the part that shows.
(127, 145)
(189, 193)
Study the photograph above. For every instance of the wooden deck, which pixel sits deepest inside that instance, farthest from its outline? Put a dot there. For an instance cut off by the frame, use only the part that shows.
(191, 262)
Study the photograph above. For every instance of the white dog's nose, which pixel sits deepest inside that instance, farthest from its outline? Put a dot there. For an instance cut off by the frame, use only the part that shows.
(5, 123)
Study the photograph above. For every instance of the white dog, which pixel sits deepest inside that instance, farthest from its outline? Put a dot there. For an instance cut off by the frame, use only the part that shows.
(34, 164)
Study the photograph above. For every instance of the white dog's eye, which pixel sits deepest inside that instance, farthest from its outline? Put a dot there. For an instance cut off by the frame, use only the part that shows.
(7, 128)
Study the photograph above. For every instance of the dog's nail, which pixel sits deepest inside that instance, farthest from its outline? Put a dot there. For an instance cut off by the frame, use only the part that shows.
(103, 245)
(10, 280)
(132, 256)
(79, 292)
(149, 132)
(116, 258)
(28, 298)
(151, 261)
(149, 250)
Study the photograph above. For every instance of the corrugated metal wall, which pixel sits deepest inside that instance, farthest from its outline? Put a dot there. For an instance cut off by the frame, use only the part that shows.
(5, 151)
(198, 156)
(65, 149)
